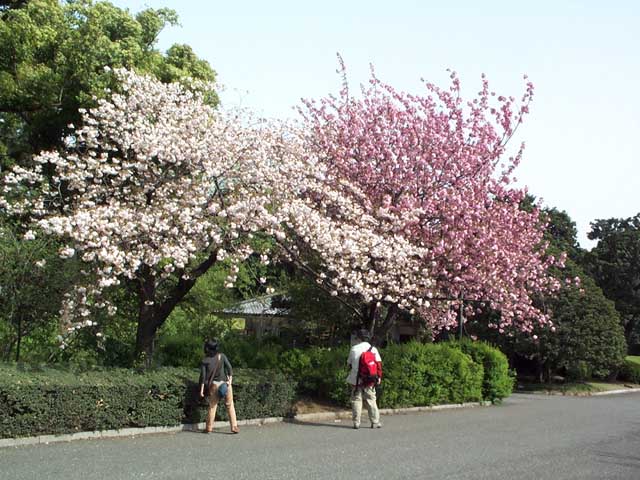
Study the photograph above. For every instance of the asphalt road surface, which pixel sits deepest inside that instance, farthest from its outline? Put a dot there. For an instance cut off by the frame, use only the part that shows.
(528, 437)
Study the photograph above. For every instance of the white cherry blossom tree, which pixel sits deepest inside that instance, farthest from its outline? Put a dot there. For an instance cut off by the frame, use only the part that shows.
(156, 187)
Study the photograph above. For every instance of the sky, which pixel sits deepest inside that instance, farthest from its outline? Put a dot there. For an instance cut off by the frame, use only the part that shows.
(582, 135)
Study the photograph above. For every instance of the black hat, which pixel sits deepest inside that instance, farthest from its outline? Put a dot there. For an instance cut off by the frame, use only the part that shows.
(364, 334)
(211, 346)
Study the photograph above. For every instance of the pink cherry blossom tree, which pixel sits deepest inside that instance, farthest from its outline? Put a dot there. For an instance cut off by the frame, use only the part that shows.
(433, 166)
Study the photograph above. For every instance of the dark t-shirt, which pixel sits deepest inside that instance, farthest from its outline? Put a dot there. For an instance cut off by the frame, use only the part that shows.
(209, 366)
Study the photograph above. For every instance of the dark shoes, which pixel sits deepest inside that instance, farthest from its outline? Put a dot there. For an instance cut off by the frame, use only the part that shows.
(233, 430)
(356, 426)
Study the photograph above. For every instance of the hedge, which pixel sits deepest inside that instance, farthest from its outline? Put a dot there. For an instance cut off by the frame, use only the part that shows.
(418, 374)
(630, 370)
(498, 379)
(54, 401)
(414, 374)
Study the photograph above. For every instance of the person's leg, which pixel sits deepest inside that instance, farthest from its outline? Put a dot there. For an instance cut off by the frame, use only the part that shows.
(213, 405)
(356, 406)
(231, 410)
(369, 395)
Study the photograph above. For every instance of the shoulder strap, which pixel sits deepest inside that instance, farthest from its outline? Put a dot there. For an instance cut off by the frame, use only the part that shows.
(216, 370)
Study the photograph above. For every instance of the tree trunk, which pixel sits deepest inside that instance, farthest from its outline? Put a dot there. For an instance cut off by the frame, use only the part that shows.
(147, 322)
(152, 315)
(380, 335)
(539, 371)
(371, 312)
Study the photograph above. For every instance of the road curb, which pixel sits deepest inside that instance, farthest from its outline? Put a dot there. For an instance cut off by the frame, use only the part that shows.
(616, 392)
(339, 415)
(195, 427)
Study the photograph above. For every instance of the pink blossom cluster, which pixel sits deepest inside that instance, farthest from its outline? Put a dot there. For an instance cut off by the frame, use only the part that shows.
(432, 166)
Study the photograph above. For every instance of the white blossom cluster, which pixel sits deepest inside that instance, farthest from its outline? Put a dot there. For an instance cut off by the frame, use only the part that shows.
(155, 179)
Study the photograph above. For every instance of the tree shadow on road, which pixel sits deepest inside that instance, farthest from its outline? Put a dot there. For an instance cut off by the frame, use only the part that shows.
(202, 432)
(316, 424)
(631, 461)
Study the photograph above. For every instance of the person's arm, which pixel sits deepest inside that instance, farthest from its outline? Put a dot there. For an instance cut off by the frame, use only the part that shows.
(351, 357)
(228, 369)
(203, 373)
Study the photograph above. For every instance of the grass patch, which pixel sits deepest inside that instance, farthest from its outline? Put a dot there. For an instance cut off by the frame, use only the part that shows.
(307, 404)
(633, 359)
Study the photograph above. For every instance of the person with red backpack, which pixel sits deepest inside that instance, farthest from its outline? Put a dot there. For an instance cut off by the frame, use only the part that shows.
(366, 372)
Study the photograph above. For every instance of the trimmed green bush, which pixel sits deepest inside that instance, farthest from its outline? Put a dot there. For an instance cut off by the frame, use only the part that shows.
(256, 394)
(250, 352)
(53, 401)
(630, 370)
(498, 380)
(418, 374)
(319, 371)
(443, 373)
(179, 350)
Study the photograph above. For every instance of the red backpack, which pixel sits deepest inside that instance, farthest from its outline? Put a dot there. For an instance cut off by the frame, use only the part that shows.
(367, 367)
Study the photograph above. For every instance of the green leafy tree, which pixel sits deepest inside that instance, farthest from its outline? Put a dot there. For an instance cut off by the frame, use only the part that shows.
(318, 317)
(615, 264)
(33, 279)
(52, 63)
(587, 338)
(561, 233)
(197, 317)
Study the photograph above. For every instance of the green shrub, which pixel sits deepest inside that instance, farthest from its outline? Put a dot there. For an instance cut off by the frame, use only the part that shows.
(498, 380)
(321, 372)
(250, 352)
(318, 371)
(630, 370)
(181, 350)
(54, 401)
(418, 374)
(578, 371)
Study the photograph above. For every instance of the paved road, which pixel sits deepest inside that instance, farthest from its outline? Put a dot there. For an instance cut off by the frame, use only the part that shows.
(529, 437)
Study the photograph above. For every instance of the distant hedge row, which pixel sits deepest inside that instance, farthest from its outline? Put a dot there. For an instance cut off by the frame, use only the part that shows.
(415, 374)
(52, 401)
(432, 374)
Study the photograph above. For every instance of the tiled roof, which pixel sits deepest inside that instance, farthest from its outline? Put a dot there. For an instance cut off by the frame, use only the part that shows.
(260, 306)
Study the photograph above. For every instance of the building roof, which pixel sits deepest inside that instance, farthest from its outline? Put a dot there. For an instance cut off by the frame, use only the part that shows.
(259, 306)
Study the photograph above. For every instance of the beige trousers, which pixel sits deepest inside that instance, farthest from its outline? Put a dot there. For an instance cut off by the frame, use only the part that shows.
(368, 395)
(213, 406)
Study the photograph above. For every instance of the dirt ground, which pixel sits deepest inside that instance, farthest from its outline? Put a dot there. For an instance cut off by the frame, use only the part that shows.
(312, 405)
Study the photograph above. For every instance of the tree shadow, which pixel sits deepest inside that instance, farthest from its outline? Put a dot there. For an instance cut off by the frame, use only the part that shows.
(303, 423)
(631, 461)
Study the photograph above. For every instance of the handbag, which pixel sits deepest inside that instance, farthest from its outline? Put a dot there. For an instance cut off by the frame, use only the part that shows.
(223, 388)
